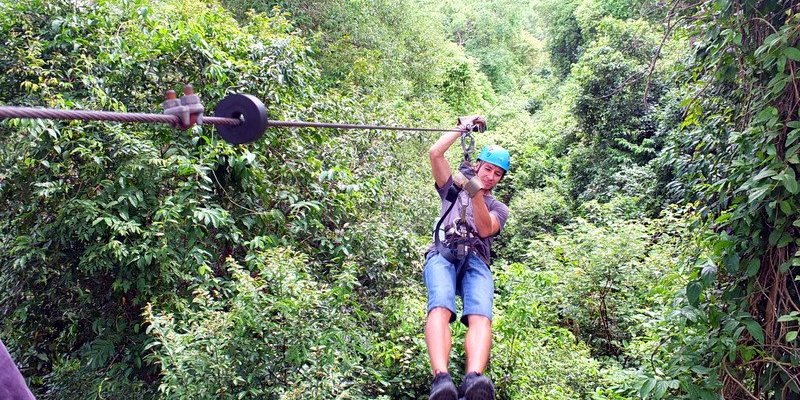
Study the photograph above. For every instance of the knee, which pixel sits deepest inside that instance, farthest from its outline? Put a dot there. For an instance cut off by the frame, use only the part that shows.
(440, 313)
(479, 322)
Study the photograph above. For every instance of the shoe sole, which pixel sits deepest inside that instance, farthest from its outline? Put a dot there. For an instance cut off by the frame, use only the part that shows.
(444, 395)
(480, 391)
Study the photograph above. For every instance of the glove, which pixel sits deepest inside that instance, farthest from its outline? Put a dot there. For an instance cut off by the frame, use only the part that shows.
(475, 123)
(472, 186)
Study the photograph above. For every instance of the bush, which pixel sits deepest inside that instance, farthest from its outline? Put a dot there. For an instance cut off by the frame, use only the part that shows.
(532, 212)
(271, 331)
(533, 358)
(104, 219)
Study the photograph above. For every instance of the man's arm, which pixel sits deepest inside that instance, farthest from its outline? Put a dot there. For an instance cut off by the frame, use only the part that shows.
(486, 223)
(439, 165)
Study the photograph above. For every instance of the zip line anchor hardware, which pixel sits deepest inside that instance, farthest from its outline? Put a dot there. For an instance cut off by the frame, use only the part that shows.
(188, 108)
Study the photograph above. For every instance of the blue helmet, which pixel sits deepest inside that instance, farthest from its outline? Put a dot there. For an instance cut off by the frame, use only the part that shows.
(495, 155)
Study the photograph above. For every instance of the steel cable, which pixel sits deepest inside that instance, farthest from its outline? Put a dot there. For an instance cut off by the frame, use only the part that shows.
(52, 113)
(174, 120)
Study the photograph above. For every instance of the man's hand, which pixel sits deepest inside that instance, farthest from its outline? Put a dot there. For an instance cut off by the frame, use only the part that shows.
(472, 122)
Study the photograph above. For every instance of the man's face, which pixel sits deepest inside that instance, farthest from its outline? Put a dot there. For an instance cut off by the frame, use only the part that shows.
(489, 174)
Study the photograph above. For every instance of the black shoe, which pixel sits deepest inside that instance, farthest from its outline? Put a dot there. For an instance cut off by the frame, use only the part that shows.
(443, 388)
(476, 387)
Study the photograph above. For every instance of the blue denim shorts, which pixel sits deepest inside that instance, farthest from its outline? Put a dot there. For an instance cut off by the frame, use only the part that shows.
(476, 287)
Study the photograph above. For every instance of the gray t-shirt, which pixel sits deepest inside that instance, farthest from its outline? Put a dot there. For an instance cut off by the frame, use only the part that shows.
(495, 207)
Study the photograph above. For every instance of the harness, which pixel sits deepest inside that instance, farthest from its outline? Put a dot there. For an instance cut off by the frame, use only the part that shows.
(460, 240)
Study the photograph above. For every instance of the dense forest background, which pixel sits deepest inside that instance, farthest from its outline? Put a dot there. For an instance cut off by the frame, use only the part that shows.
(651, 253)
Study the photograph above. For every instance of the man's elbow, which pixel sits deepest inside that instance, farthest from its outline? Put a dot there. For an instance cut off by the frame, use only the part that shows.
(485, 233)
(435, 153)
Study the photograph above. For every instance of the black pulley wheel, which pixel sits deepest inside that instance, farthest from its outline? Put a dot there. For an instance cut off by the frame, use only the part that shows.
(249, 110)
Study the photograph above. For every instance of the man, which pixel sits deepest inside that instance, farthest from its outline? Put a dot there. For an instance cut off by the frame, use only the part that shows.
(469, 277)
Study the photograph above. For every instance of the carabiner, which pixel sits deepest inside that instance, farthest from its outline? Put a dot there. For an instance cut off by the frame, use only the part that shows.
(467, 142)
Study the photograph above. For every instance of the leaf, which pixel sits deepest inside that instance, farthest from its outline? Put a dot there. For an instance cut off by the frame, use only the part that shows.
(707, 395)
(755, 330)
(786, 207)
(752, 267)
(790, 181)
(764, 173)
(724, 217)
(793, 134)
(785, 266)
(709, 271)
(793, 316)
(758, 193)
(791, 336)
(767, 113)
(693, 292)
(793, 53)
(747, 353)
(701, 370)
(661, 389)
(648, 386)
(731, 262)
(775, 236)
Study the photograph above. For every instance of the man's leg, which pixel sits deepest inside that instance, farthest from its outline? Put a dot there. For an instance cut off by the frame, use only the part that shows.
(478, 291)
(440, 279)
(438, 338)
(478, 343)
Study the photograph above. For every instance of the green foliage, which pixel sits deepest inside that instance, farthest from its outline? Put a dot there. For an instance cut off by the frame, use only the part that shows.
(463, 87)
(392, 51)
(145, 263)
(612, 111)
(614, 284)
(735, 152)
(269, 332)
(598, 302)
(564, 37)
(534, 358)
(104, 219)
(607, 110)
(503, 36)
(532, 212)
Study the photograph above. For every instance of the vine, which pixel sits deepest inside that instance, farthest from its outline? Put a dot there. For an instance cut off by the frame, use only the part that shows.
(740, 154)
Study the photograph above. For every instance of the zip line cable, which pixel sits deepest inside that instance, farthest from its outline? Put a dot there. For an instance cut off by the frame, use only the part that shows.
(239, 118)
(85, 115)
